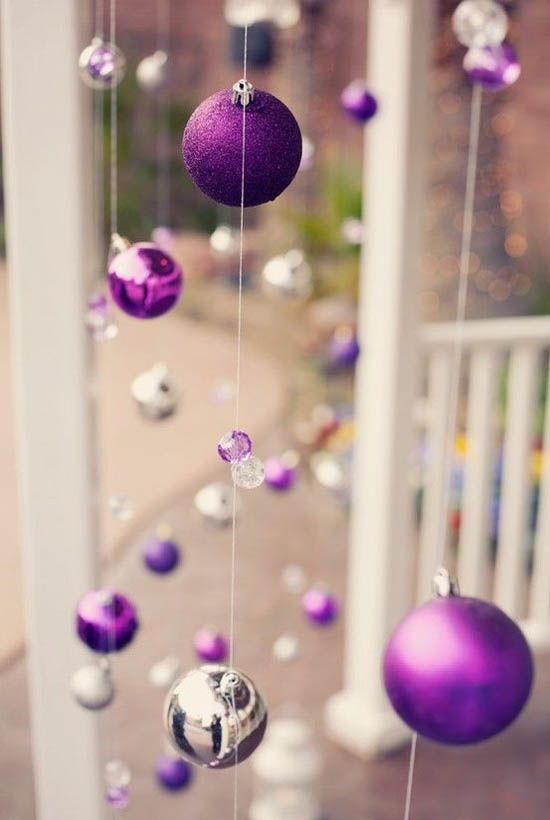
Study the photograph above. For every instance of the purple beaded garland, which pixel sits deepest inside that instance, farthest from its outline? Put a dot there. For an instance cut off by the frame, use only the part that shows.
(320, 606)
(145, 281)
(161, 555)
(212, 148)
(493, 67)
(358, 102)
(278, 475)
(172, 773)
(210, 646)
(106, 621)
(458, 670)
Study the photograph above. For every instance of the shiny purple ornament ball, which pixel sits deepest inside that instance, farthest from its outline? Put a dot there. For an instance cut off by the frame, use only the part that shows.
(358, 102)
(210, 645)
(320, 606)
(458, 670)
(106, 621)
(145, 281)
(343, 349)
(278, 475)
(493, 67)
(213, 141)
(173, 773)
(161, 555)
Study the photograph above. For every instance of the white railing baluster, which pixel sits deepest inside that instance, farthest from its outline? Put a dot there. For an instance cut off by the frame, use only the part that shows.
(539, 609)
(439, 379)
(516, 479)
(474, 525)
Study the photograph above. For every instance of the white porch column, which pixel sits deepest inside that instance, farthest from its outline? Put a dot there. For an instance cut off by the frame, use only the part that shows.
(380, 586)
(49, 258)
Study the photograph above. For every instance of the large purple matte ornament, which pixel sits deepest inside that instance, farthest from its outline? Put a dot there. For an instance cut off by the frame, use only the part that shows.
(106, 621)
(358, 102)
(172, 773)
(145, 281)
(213, 141)
(493, 67)
(458, 670)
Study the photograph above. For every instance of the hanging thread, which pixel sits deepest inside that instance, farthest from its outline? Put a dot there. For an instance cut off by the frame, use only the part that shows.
(114, 130)
(456, 366)
(163, 120)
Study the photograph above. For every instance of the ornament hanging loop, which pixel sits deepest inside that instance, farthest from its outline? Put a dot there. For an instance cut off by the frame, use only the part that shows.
(443, 585)
(243, 93)
(119, 243)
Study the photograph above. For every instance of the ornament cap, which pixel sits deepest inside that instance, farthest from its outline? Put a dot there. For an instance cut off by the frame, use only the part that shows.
(119, 243)
(443, 584)
(243, 93)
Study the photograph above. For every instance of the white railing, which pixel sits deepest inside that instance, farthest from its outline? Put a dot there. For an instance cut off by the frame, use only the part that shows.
(504, 388)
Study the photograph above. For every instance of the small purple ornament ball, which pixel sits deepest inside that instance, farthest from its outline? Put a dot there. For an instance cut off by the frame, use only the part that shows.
(458, 670)
(493, 67)
(279, 475)
(320, 606)
(210, 645)
(235, 446)
(172, 773)
(358, 102)
(212, 148)
(145, 281)
(343, 349)
(117, 796)
(106, 621)
(161, 555)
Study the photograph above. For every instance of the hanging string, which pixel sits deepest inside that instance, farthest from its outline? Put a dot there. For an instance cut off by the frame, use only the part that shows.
(114, 130)
(237, 416)
(456, 365)
(163, 120)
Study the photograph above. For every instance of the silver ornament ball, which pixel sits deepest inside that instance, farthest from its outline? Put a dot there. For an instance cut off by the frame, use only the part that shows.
(288, 276)
(152, 71)
(155, 393)
(480, 23)
(215, 717)
(92, 686)
(215, 503)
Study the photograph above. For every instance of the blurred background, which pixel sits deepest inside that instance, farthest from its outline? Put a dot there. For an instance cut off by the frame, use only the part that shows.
(299, 355)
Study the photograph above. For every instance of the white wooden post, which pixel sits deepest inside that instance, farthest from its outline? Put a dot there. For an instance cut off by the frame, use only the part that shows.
(381, 549)
(48, 236)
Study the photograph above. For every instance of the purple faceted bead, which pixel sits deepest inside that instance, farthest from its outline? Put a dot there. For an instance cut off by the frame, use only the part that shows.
(320, 606)
(213, 141)
(358, 102)
(117, 796)
(102, 63)
(145, 281)
(172, 773)
(106, 621)
(493, 67)
(235, 447)
(278, 475)
(458, 670)
(210, 645)
(161, 555)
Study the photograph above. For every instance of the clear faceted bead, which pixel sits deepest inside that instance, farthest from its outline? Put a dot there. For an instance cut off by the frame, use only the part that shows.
(248, 474)
(235, 446)
(479, 23)
(117, 773)
(286, 648)
(117, 796)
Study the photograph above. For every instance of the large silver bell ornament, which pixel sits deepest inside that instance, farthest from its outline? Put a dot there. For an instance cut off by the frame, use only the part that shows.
(92, 686)
(214, 716)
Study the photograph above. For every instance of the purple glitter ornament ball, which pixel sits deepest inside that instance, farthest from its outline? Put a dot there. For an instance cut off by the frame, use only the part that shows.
(161, 555)
(172, 773)
(235, 446)
(320, 606)
(358, 102)
(106, 621)
(210, 645)
(212, 148)
(279, 475)
(493, 67)
(458, 670)
(145, 281)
